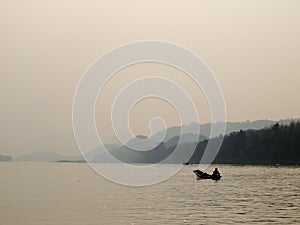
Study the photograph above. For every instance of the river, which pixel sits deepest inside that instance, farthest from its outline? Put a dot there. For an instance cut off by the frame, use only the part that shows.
(34, 193)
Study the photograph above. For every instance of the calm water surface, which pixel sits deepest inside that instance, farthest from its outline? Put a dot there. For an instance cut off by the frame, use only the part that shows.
(71, 193)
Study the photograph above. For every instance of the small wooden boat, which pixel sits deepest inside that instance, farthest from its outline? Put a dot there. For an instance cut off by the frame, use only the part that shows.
(203, 175)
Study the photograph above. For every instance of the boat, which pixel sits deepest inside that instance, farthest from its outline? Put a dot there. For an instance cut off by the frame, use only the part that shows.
(203, 175)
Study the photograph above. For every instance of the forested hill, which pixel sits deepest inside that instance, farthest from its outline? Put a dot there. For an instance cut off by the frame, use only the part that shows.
(279, 144)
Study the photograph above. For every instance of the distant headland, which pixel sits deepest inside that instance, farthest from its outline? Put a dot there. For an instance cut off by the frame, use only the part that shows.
(257, 142)
(5, 158)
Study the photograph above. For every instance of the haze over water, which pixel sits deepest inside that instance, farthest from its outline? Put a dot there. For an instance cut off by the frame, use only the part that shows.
(71, 193)
(252, 49)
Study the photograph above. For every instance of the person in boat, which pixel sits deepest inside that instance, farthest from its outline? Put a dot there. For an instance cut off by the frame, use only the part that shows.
(216, 173)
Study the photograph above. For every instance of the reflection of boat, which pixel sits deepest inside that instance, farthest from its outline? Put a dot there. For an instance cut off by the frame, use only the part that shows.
(202, 175)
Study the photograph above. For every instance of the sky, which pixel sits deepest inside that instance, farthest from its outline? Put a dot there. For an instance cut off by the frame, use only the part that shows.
(252, 47)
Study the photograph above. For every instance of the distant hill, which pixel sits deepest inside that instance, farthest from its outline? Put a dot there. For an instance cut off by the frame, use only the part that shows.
(273, 144)
(127, 155)
(164, 150)
(46, 156)
(98, 154)
(230, 127)
(279, 144)
(185, 138)
(148, 153)
(141, 143)
(5, 158)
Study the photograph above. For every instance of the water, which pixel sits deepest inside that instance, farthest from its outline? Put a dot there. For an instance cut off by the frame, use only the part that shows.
(71, 193)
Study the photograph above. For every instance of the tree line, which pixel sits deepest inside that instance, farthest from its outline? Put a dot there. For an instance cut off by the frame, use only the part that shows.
(279, 144)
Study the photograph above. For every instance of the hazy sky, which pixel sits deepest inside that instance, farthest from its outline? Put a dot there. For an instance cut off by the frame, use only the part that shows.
(253, 47)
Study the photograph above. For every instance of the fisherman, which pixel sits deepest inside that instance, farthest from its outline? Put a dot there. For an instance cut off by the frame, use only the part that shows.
(216, 174)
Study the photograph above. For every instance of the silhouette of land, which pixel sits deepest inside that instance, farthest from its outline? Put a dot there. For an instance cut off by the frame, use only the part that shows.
(47, 156)
(5, 158)
(275, 143)
(279, 144)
